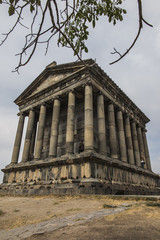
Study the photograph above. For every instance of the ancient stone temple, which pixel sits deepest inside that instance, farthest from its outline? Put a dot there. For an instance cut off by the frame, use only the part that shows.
(83, 135)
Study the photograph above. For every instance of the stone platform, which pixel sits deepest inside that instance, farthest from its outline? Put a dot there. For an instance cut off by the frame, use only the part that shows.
(84, 173)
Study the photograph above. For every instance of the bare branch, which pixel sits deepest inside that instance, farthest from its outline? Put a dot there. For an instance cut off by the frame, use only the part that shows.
(14, 26)
(141, 20)
(34, 43)
(116, 52)
(150, 25)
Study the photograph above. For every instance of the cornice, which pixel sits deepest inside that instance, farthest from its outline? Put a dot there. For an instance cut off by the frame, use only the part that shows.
(116, 93)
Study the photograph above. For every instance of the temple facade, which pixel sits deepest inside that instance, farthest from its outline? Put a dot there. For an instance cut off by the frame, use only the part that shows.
(83, 136)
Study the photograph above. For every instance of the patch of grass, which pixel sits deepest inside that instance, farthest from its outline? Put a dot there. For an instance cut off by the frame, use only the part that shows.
(16, 210)
(152, 204)
(151, 199)
(2, 212)
(109, 206)
(55, 203)
(73, 209)
(80, 219)
(125, 198)
(130, 205)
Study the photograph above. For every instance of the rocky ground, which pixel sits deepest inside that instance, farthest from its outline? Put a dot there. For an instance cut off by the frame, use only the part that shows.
(79, 217)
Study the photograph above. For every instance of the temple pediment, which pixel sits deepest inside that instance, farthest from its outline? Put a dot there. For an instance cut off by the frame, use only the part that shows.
(50, 81)
(50, 77)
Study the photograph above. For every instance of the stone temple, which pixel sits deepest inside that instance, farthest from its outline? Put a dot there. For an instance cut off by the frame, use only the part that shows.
(84, 136)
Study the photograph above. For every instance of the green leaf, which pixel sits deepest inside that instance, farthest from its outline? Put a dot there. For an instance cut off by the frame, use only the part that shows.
(120, 18)
(11, 10)
(32, 8)
(86, 49)
(39, 2)
(93, 23)
(0, 1)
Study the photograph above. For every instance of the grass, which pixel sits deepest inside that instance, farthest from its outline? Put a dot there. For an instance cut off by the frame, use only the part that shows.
(152, 204)
(109, 206)
(2, 212)
(80, 219)
(73, 209)
(151, 199)
(16, 210)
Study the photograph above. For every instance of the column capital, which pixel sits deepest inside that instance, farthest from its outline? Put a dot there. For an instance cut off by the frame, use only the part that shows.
(144, 130)
(126, 115)
(111, 102)
(88, 83)
(100, 93)
(71, 91)
(44, 104)
(56, 98)
(133, 120)
(118, 108)
(20, 113)
(31, 109)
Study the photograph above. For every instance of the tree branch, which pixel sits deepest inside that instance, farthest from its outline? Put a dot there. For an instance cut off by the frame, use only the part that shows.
(141, 20)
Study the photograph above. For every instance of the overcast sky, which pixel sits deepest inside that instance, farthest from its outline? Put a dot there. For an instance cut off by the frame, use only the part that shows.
(138, 75)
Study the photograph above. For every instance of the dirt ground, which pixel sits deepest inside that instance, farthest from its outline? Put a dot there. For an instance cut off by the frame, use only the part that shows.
(138, 221)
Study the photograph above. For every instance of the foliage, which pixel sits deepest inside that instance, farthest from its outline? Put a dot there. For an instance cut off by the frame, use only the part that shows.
(69, 20)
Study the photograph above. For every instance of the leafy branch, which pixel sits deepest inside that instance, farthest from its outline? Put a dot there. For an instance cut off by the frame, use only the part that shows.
(69, 20)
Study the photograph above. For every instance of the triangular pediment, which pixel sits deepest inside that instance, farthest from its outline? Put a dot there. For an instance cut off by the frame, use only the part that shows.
(50, 77)
(50, 81)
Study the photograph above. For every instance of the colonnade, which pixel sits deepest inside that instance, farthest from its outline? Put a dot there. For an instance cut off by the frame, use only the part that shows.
(127, 139)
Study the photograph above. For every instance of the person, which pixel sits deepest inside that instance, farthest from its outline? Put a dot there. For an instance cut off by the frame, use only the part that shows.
(81, 146)
(142, 163)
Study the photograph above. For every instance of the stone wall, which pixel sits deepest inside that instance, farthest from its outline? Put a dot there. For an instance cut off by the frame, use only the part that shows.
(84, 171)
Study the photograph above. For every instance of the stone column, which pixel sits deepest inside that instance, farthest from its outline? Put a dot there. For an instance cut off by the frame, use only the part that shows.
(70, 123)
(54, 128)
(148, 162)
(26, 150)
(112, 131)
(33, 139)
(141, 145)
(88, 119)
(41, 125)
(101, 125)
(17, 143)
(129, 140)
(121, 134)
(135, 144)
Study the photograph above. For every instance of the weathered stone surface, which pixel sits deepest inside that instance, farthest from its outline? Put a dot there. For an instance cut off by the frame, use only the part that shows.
(83, 144)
